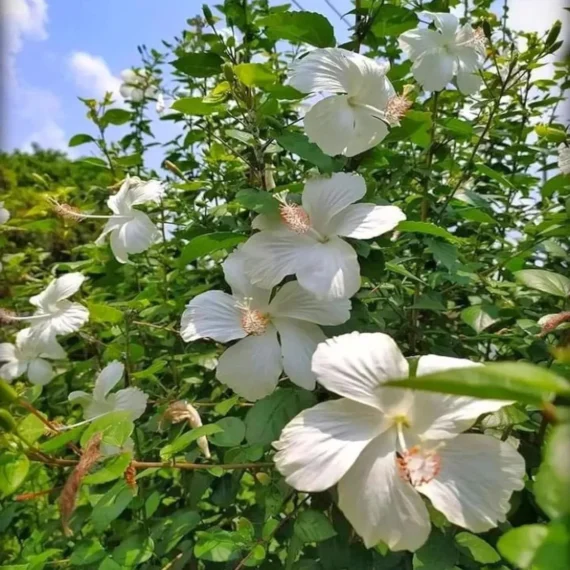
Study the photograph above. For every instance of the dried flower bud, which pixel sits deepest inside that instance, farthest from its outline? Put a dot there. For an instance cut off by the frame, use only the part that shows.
(7, 394)
(66, 211)
(180, 411)
(130, 475)
(550, 323)
(7, 316)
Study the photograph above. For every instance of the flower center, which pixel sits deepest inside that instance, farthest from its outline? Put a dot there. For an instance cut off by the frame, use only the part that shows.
(478, 41)
(396, 108)
(295, 218)
(418, 466)
(254, 322)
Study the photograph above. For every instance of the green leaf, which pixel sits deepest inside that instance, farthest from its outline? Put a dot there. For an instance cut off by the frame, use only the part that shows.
(258, 201)
(99, 313)
(445, 253)
(478, 549)
(195, 106)
(87, 552)
(268, 416)
(299, 144)
(313, 526)
(393, 20)
(116, 117)
(499, 380)
(438, 553)
(182, 442)
(427, 228)
(520, 545)
(174, 528)
(494, 175)
(199, 64)
(113, 468)
(133, 550)
(111, 505)
(479, 317)
(116, 428)
(31, 428)
(61, 440)
(299, 27)
(217, 546)
(554, 184)
(254, 74)
(231, 433)
(458, 126)
(551, 134)
(80, 139)
(14, 469)
(209, 243)
(545, 281)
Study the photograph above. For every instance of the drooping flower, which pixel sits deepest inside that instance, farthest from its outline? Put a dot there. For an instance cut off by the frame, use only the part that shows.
(385, 446)
(307, 240)
(102, 402)
(28, 356)
(137, 84)
(447, 51)
(4, 214)
(563, 158)
(252, 366)
(54, 314)
(132, 231)
(360, 108)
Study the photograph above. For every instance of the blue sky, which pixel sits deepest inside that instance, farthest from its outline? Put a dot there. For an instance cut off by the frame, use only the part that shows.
(59, 49)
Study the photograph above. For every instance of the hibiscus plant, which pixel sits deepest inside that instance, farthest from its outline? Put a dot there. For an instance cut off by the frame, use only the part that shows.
(303, 305)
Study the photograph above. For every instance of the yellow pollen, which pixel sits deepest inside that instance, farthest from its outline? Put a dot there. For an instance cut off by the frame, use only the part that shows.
(66, 211)
(295, 217)
(397, 107)
(7, 316)
(254, 322)
(417, 466)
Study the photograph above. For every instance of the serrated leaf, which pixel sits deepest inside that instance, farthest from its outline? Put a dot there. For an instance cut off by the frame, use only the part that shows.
(254, 74)
(478, 549)
(199, 64)
(313, 526)
(209, 243)
(14, 469)
(479, 317)
(258, 201)
(217, 546)
(230, 434)
(116, 428)
(87, 552)
(182, 442)
(133, 550)
(112, 469)
(299, 27)
(116, 117)
(100, 313)
(195, 106)
(427, 228)
(300, 145)
(545, 281)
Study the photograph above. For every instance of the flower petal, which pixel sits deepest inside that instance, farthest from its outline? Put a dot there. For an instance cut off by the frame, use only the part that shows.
(434, 70)
(149, 191)
(129, 400)
(330, 270)
(324, 197)
(7, 352)
(327, 70)
(274, 255)
(236, 278)
(355, 365)
(214, 315)
(378, 503)
(446, 23)
(318, 446)
(111, 225)
(299, 341)
(416, 42)
(469, 80)
(80, 397)
(12, 370)
(252, 366)
(107, 379)
(441, 416)
(69, 318)
(138, 234)
(365, 221)
(477, 478)
(294, 302)
(40, 372)
(118, 247)
(59, 289)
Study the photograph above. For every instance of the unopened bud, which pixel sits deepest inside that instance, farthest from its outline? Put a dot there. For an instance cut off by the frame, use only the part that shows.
(7, 422)
(208, 14)
(174, 169)
(268, 176)
(550, 323)
(180, 411)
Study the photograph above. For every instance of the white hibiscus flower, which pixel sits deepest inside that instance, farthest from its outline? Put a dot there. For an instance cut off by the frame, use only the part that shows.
(27, 356)
(386, 446)
(4, 214)
(252, 366)
(137, 84)
(564, 158)
(307, 241)
(362, 104)
(55, 315)
(445, 52)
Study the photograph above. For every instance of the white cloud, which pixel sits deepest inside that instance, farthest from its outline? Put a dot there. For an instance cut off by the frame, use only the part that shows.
(92, 74)
(23, 19)
(49, 135)
(528, 16)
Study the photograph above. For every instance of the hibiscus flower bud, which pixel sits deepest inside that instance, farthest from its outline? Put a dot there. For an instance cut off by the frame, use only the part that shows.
(550, 323)
(180, 411)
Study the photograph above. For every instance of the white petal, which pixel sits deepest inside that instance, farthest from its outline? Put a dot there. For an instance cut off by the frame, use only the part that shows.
(129, 76)
(356, 365)
(252, 366)
(324, 197)
(271, 256)
(379, 504)
(107, 379)
(330, 270)
(129, 399)
(466, 40)
(111, 225)
(294, 302)
(434, 70)
(52, 349)
(4, 214)
(446, 23)
(564, 158)
(267, 223)
(214, 315)
(477, 478)
(318, 446)
(125, 91)
(120, 203)
(327, 69)
(299, 341)
(69, 318)
(40, 371)
(150, 191)
(441, 416)
(416, 42)
(30, 344)
(237, 279)
(372, 87)
(138, 234)
(12, 370)
(80, 397)
(59, 289)
(7, 352)
(365, 221)
(95, 408)
(469, 80)
(118, 247)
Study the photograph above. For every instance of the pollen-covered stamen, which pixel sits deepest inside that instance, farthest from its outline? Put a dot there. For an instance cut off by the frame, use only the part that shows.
(66, 211)
(477, 41)
(7, 316)
(418, 466)
(396, 108)
(294, 217)
(253, 321)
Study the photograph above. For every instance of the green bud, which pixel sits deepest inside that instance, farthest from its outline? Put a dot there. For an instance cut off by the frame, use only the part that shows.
(7, 422)
(7, 394)
(208, 14)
